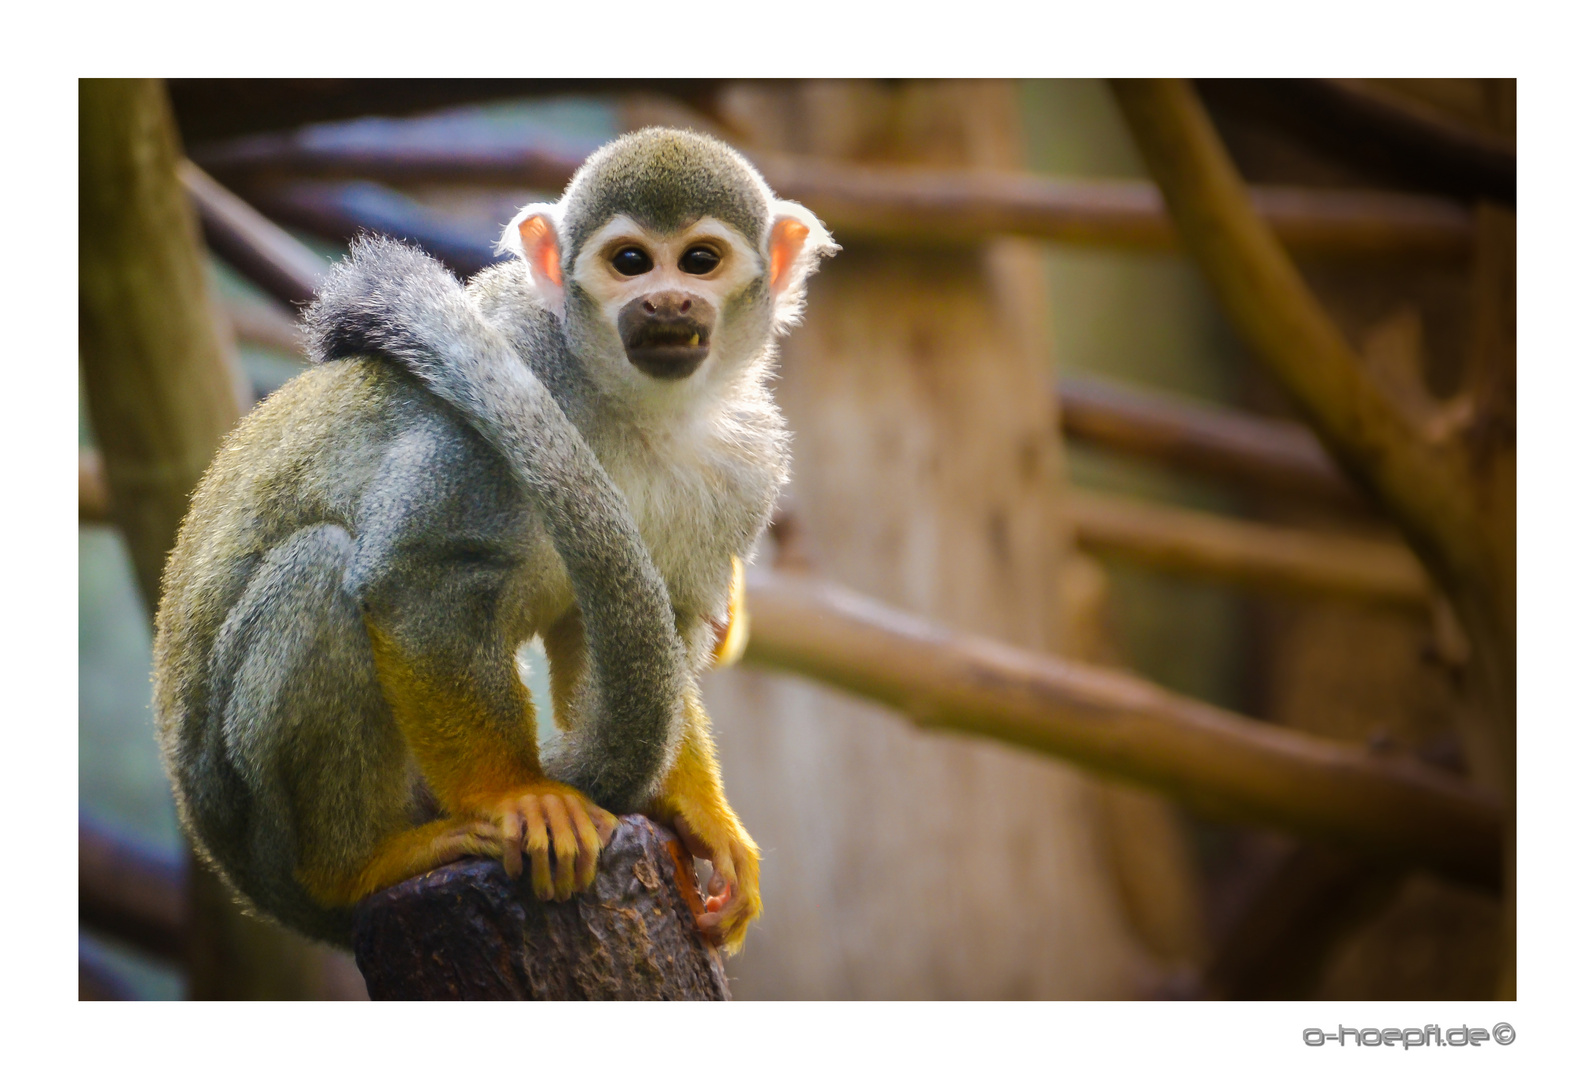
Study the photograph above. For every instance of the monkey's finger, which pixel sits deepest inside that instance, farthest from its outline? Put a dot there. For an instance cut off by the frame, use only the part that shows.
(605, 822)
(719, 892)
(587, 842)
(733, 905)
(509, 838)
(710, 926)
(696, 844)
(563, 842)
(536, 846)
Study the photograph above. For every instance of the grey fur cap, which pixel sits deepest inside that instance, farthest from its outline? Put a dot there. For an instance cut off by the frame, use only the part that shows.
(663, 178)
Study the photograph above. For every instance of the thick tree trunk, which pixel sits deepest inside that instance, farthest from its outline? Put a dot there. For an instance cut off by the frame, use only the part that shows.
(466, 932)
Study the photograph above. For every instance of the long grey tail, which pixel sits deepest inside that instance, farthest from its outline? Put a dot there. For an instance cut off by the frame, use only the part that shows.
(390, 299)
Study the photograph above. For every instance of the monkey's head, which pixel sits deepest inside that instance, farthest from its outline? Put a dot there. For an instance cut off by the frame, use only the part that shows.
(668, 260)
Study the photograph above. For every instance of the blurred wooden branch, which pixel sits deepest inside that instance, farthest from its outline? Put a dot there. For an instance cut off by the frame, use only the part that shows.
(341, 211)
(94, 498)
(250, 242)
(218, 108)
(1181, 541)
(265, 325)
(1281, 943)
(1451, 488)
(1125, 727)
(1265, 296)
(1380, 129)
(942, 205)
(131, 893)
(1211, 758)
(1426, 484)
(917, 205)
(1246, 553)
(1275, 455)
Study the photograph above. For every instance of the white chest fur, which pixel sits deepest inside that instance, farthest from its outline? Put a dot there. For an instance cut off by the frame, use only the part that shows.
(699, 495)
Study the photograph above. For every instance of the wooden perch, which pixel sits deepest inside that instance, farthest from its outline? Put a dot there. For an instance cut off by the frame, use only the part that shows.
(1127, 728)
(1270, 556)
(1277, 455)
(467, 932)
(916, 205)
(131, 893)
(480, 935)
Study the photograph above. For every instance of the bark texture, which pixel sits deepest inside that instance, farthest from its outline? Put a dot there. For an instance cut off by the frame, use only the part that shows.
(466, 932)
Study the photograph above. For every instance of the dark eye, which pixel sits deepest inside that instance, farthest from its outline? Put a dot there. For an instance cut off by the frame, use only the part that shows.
(631, 261)
(699, 260)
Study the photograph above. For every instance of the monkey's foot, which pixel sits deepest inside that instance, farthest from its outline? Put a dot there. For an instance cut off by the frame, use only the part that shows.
(733, 902)
(558, 829)
(404, 855)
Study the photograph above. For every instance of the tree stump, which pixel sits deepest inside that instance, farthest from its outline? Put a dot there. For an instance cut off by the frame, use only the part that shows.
(466, 932)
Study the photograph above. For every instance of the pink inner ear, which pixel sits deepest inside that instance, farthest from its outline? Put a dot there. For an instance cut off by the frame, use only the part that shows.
(786, 240)
(542, 247)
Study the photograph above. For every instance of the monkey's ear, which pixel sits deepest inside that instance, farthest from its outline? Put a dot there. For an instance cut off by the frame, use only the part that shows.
(796, 241)
(533, 234)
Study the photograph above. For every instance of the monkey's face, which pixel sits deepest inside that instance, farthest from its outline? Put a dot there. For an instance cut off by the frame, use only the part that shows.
(661, 317)
(664, 300)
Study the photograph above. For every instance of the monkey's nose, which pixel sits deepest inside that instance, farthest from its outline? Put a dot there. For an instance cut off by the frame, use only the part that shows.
(667, 303)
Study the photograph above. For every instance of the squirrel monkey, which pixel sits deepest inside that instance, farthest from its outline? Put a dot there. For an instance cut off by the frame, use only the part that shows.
(577, 444)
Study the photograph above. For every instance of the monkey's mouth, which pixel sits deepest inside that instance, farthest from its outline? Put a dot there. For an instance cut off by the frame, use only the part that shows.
(668, 348)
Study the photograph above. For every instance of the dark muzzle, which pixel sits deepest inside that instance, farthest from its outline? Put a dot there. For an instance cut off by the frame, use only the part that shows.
(664, 335)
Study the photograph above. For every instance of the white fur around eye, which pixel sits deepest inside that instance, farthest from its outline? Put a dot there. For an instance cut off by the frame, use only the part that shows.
(740, 262)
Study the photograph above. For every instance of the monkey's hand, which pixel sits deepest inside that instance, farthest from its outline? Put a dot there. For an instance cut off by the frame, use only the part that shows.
(556, 828)
(710, 830)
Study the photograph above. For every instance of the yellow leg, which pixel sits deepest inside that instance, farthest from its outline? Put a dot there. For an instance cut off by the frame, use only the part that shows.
(471, 729)
(405, 855)
(693, 801)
